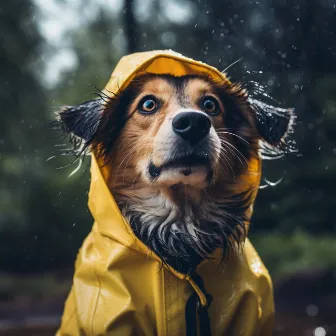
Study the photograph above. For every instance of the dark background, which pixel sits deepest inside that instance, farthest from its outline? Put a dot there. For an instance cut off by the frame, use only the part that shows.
(52, 51)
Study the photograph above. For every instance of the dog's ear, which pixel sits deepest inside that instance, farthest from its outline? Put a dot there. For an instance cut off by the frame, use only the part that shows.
(272, 123)
(81, 120)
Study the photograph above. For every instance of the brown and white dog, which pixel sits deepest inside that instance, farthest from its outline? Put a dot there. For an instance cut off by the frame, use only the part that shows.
(179, 146)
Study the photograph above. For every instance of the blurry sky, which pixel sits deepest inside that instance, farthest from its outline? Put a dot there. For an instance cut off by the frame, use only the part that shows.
(56, 23)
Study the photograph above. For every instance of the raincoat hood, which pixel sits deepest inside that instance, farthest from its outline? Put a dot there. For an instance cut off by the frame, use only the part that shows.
(120, 286)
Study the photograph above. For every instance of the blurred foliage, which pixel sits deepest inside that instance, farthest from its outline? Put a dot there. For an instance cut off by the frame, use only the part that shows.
(96, 56)
(287, 254)
(43, 215)
(37, 286)
(33, 225)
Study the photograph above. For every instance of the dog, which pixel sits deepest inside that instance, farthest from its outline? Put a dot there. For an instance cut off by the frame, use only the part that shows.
(176, 152)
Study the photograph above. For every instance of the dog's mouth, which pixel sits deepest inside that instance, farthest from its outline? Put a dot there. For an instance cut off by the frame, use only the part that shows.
(183, 163)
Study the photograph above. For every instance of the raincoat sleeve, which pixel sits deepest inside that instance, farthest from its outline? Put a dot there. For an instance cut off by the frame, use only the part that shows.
(263, 291)
(102, 302)
(69, 320)
(267, 313)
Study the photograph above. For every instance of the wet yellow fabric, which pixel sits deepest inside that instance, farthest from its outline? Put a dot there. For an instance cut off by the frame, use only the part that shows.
(121, 288)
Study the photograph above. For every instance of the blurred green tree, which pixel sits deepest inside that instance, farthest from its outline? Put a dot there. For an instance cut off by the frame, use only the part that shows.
(23, 122)
(32, 229)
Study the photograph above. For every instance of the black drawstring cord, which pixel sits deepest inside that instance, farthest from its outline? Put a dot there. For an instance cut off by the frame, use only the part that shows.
(190, 315)
(205, 328)
(194, 307)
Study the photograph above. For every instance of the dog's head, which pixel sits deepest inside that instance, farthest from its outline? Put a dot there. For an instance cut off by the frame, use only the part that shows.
(176, 151)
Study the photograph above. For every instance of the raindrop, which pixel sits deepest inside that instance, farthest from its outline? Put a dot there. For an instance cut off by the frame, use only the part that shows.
(168, 39)
(320, 331)
(312, 310)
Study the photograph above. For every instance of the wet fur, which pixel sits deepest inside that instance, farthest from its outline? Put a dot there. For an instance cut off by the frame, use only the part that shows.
(182, 223)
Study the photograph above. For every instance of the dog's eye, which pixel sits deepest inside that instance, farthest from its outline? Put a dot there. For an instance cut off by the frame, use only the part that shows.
(148, 105)
(210, 105)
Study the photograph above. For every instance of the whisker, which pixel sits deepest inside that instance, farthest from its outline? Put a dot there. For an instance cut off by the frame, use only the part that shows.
(135, 179)
(80, 161)
(125, 158)
(234, 135)
(232, 64)
(228, 162)
(230, 150)
(224, 141)
(141, 145)
(212, 152)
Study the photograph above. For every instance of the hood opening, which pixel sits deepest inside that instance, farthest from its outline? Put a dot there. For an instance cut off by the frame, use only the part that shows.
(102, 204)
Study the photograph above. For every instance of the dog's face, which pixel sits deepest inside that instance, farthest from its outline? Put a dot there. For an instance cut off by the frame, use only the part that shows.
(179, 132)
(174, 126)
(176, 149)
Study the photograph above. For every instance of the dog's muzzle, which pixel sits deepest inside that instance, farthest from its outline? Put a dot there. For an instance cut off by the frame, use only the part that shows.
(191, 149)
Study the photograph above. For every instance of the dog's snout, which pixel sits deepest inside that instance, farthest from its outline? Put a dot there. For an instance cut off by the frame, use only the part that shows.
(191, 126)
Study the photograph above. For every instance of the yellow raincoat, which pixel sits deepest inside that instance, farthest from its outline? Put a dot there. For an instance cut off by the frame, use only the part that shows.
(121, 288)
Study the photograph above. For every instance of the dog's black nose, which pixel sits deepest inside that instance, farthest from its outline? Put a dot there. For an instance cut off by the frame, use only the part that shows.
(191, 126)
